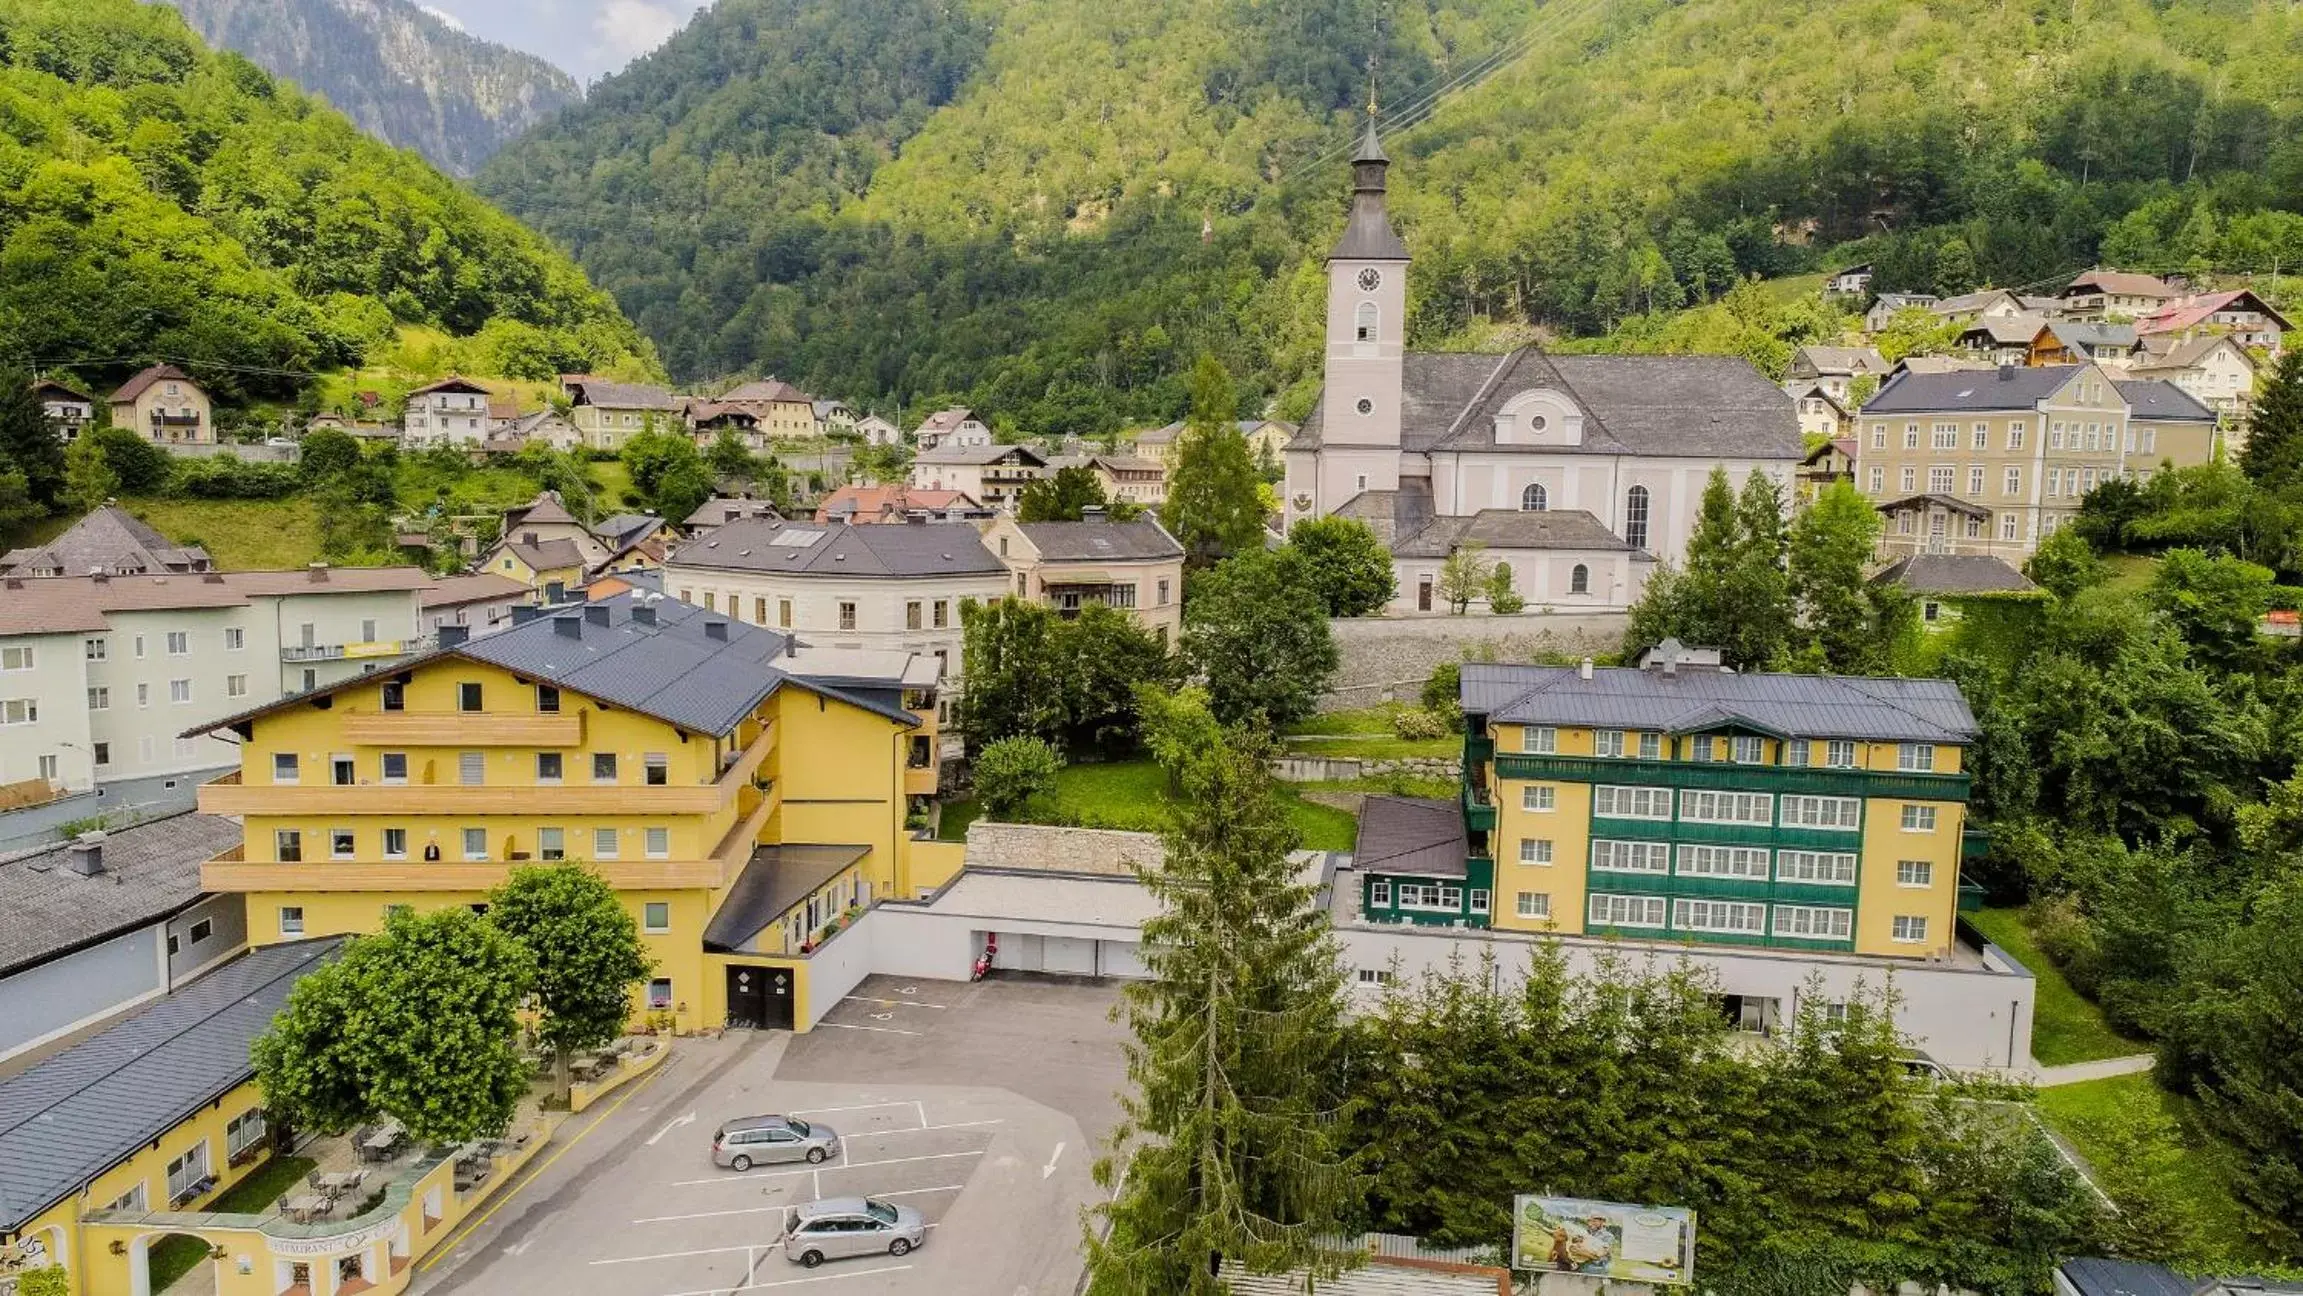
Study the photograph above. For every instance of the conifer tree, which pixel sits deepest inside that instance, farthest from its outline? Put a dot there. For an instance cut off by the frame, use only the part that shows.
(1711, 551)
(28, 441)
(2273, 457)
(1236, 1129)
(1213, 507)
(1831, 542)
(1757, 604)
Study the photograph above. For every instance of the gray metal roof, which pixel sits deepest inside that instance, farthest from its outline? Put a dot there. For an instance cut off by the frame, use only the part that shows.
(2009, 387)
(79, 1113)
(150, 872)
(1558, 529)
(978, 454)
(2094, 1276)
(1870, 708)
(1415, 835)
(2155, 400)
(1705, 407)
(1100, 541)
(773, 880)
(836, 549)
(110, 538)
(1955, 574)
(623, 528)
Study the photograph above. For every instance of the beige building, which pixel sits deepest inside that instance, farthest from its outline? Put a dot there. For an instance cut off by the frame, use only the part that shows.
(607, 414)
(951, 429)
(163, 404)
(2100, 294)
(992, 475)
(1264, 437)
(1135, 566)
(758, 412)
(1832, 368)
(2215, 370)
(1994, 461)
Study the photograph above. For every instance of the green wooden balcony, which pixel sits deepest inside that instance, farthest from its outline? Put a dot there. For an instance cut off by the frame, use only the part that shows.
(1778, 779)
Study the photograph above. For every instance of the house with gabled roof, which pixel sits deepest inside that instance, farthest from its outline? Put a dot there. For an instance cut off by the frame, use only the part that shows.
(1134, 566)
(110, 540)
(992, 475)
(69, 409)
(950, 429)
(451, 412)
(2100, 293)
(162, 403)
(608, 413)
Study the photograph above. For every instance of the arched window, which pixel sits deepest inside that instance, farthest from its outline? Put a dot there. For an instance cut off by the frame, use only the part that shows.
(1534, 499)
(1367, 321)
(1635, 517)
(1579, 580)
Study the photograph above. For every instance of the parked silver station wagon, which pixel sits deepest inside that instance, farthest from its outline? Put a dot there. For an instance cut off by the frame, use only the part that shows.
(758, 1140)
(838, 1227)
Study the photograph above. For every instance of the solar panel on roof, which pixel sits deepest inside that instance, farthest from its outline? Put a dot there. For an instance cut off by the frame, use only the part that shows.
(796, 539)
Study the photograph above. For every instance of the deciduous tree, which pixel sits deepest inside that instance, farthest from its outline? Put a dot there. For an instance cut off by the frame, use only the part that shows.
(1464, 576)
(1062, 496)
(1839, 612)
(1011, 773)
(1255, 632)
(586, 951)
(1346, 563)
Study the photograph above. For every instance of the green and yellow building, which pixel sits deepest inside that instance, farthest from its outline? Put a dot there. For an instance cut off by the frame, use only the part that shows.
(1680, 802)
(742, 801)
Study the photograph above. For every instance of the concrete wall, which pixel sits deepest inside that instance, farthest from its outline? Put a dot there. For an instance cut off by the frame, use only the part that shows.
(245, 452)
(64, 994)
(1387, 658)
(227, 919)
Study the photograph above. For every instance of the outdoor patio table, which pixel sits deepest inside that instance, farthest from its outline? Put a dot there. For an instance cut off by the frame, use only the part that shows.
(304, 1207)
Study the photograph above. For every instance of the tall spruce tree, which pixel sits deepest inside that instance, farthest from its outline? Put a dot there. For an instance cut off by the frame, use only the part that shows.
(2273, 457)
(1235, 1135)
(1711, 552)
(1756, 608)
(1213, 507)
(28, 441)
(1831, 541)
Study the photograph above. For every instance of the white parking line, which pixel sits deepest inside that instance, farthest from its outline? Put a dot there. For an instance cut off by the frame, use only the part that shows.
(756, 1210)
(884, 1030)
(738, 1176)
(914, 1192)
(908, 1003)
(828, 1111)
(794, 1282)
(670, 1255)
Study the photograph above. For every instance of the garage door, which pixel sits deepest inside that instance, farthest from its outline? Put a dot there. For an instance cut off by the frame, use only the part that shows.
(1120, 959)
(1072, 955)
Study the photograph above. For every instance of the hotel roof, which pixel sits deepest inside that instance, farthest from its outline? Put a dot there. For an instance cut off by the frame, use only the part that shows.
(1693, 699)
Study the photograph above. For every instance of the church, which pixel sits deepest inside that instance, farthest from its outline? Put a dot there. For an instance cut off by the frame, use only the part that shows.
(1580, 472)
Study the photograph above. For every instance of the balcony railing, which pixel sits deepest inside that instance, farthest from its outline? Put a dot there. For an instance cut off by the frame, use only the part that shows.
(355, 651)
(1811, 780)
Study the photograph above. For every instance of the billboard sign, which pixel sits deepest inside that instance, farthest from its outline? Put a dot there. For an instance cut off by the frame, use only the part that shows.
(1647, 1244)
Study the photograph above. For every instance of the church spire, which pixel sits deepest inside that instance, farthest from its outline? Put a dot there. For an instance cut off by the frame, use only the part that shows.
(1369, 235)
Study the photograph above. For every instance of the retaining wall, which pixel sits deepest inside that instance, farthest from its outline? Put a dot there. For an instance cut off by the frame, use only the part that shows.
(1388, 658)
(1052, 849)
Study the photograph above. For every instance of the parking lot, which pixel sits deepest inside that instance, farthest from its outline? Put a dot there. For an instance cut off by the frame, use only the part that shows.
(981, 1106)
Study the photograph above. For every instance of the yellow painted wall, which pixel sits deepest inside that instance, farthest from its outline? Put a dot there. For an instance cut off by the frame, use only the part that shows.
(1568, 827)
(1880, 899)
(839, 772)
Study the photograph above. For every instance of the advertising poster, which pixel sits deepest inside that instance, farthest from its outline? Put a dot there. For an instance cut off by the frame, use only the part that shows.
(1647, 1244)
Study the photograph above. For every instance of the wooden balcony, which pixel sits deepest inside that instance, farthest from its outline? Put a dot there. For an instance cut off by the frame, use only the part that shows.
(464, 729)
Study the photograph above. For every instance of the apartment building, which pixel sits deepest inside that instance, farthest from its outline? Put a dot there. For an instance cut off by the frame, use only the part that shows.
(890, 586)
(607, 414)
(101, 676)
(1677, 802)
(952, 429)
(1993, 461)
(451, 412)
(993, 475)
(739, 806)
(1135, 566)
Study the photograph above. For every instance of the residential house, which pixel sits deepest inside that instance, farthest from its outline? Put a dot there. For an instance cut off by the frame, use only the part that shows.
(761, 412)
(2241, 315)
(994, 475)
(737, 805)
(1676, 803)
(68, 409)
(1993, 461)
(952, 429)
(1937, 364)
(2062, 342)
(1822, 414)
(1629, 439)
(1135, 566)
(503, 414)
(330, 421)
(545, 425)
(1265, 438)
(1854, 281)
(636, 542)
(1945, 585)
(895, 588)
(2213, 368)
(862, 505)
(1138, 481)
(2092, 1276)
(480, 603)
(722, 509)
(878, 431)
(1830, 461)
(451, 412)
(112, 920)
(163, 404)
(1884, 308)
(2100, 294)
(1999, 341)
(109, 540)
(1833, 368)
(834, 416)
(607, 414)
(553, 569)
(545, 519)
(99, 675)
(2167, 425)
(1993, 303)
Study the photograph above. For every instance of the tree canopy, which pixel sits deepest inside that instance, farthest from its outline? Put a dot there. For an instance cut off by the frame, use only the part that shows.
(585, 949)
(1255, 632)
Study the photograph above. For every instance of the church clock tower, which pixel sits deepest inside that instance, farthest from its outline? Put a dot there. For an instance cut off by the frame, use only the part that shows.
(1359, 421)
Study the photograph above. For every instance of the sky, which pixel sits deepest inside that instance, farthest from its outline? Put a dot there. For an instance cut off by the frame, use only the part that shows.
(590, 38)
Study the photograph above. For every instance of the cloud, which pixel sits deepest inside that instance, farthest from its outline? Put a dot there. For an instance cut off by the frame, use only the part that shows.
(630, 28)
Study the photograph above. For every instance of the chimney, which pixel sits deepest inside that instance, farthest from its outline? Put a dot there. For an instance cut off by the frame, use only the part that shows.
(454, 636)
(523, 613)
(527, 537)
(1092, 513)
(317, 571)
(596, 613)
(570, 626)
(791, 645)
(1583, 671)
(716, 630)
(86, 856)
(2006, 373)
(643, 614)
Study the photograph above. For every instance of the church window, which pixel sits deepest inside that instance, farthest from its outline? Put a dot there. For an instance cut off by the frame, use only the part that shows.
(1579, 580)
(1534, 499)
(1365, 406)
(1367, 321)
(1635, 517)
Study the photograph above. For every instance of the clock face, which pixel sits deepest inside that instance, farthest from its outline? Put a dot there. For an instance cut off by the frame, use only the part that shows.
(1370, 279)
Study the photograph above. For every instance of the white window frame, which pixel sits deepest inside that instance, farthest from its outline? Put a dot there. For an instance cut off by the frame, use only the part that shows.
(1718, 917)
(1610, 855)
(1609, 909)
(1812, 922)
(606, 843)
(466, 838)
(1538, 740)
(1607, 742)
(648, 921)
(1839, 753)
(1916, 874)
(1816, 868)
(1539, 798)
(1843, 814)
(1744, 749)
(291, 918)
(1919, 819)
(1532, 904)
(1718, 806)
(1379, 893)
(1706, 859)
(343, 843)
(288, 762)
(651, 836)
(385, 843)
(1535, 850)
(1614, 801)
(1915, 758)
(1908, 929)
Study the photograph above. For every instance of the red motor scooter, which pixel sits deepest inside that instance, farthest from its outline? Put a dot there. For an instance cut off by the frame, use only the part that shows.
(984, 960)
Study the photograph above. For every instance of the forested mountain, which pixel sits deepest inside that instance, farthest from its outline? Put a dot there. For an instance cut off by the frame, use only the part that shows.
(397, 69)
(161, 201)
(1005, 200)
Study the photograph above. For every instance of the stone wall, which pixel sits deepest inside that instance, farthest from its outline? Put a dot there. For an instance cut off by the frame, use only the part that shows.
(1343, 769)
(1052, 849)
(1388, 658)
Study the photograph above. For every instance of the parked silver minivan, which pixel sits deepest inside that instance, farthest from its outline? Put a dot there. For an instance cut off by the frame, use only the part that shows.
(838, 1227)
(757, 1140)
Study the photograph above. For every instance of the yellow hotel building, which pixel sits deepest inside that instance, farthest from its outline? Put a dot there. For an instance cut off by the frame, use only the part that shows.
(1678, 802)
(743, 800)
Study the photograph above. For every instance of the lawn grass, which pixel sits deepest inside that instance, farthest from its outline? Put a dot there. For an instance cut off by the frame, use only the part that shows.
(173, 1257)
(1791, 288)
(241, 535)
(2128, 573)
(2205, 1164)
(1360, 720)
(1132, 796)
(2065, 1027)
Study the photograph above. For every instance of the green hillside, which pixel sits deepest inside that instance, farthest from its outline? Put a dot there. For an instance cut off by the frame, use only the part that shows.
(159, 200)
(1004, 199)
